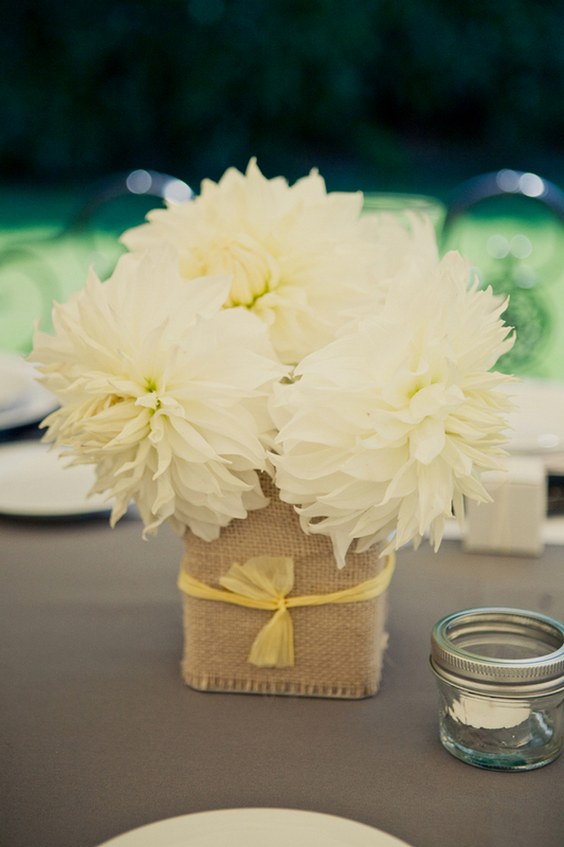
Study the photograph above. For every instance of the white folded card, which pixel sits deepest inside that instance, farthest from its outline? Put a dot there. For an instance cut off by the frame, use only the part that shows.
(513, 522)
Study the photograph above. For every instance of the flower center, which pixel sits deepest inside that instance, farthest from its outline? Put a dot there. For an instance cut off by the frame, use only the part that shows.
(151, 389)
(253, 270)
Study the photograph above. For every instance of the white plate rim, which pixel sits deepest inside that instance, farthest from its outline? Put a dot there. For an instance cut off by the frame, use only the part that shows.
(14, 385)
(216, 821)
(25, 450)
(35, 404)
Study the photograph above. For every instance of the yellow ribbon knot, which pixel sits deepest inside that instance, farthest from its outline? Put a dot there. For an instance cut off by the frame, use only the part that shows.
(264, 582)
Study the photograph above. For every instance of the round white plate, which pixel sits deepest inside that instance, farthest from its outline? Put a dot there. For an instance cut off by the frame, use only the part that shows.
(35, 482)
(14, 384)
(255, 828)
(23, 401)
(537, 422)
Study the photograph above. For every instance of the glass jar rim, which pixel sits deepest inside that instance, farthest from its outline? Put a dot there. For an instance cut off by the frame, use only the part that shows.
(540, 672)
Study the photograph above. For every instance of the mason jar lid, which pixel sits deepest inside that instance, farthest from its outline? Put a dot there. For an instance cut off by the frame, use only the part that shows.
(508, 652)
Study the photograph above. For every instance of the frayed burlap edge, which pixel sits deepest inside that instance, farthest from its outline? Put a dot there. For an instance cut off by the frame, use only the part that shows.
(338, 648)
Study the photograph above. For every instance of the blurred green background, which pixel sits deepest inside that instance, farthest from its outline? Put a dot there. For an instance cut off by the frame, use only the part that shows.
(377, 93)
(380, 95)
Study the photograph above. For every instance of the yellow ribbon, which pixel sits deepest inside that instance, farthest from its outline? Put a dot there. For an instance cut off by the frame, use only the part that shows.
(264, 582)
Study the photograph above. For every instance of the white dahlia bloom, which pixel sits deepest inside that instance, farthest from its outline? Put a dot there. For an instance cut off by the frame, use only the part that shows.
(164, 391)
(385, 431)
(400, 245)
(297, 255)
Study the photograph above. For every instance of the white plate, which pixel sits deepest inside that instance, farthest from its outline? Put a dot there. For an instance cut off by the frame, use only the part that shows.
(34, 482)
(255, 828)
(31, 401)
(14, 384)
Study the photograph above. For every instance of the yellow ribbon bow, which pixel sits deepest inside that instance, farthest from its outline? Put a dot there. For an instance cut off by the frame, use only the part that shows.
(264, 582)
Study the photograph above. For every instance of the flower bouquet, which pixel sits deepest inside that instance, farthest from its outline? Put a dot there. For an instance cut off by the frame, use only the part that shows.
(300, 390)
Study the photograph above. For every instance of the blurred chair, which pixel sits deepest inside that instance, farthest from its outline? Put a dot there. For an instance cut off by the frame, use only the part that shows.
(113, 205)
(498, 184)
(137, 183)
(510, 224)
(37, 267)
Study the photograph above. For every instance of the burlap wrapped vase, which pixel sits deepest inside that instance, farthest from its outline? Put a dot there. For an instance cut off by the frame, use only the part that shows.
(323, 636)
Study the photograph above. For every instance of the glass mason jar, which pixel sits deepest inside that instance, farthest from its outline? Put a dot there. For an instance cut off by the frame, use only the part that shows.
(400, 206)
(500, 674)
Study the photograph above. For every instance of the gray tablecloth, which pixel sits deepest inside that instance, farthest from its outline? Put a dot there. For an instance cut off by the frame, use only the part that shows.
(99, 735)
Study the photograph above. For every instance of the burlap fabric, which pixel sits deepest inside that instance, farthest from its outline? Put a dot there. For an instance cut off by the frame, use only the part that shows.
(338, 648)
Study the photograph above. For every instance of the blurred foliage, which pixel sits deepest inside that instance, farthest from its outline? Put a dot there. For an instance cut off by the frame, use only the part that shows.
(192, 86)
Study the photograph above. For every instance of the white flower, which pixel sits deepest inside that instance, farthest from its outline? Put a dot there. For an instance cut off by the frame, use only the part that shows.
(386, 429)
(164, 391)
(297, 255)
(402, 245)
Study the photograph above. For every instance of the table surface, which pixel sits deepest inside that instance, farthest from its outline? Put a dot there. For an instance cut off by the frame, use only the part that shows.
(99, 735)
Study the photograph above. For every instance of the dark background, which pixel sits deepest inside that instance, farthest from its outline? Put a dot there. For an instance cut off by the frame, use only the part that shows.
(379, 94)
